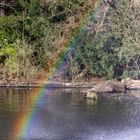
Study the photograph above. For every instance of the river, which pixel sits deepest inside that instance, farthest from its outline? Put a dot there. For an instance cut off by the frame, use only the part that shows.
(63, 114)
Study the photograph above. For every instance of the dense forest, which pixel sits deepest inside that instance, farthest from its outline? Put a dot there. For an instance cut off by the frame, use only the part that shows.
(31, 32)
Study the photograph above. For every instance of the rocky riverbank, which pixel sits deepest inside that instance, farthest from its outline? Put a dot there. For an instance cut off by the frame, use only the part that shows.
(53, 83)
(95, 85)
(92, 90)
(112, 86)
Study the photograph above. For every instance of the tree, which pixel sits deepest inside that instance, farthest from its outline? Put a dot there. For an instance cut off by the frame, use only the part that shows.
(2, 8)
(126, 25)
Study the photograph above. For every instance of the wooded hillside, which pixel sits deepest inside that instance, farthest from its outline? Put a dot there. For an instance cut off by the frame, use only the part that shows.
(32, 31)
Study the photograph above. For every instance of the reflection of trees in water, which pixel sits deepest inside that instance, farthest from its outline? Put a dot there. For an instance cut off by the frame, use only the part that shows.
(119, 106)
(13, 99)
(61, 101)
(16, 99)
(69, 95)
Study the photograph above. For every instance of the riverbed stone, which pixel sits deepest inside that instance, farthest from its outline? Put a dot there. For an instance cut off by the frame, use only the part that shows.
(109, 86)
(131, 84)
(92, 95)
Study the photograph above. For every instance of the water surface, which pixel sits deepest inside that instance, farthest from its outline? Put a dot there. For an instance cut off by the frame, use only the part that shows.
(63, 114)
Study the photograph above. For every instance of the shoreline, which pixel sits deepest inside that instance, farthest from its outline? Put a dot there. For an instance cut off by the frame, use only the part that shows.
(38, 83)
(131, 84)
(90, 90)
(48, 85)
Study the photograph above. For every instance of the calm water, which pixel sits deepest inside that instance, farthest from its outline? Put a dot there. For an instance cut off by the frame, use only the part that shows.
(65, 115)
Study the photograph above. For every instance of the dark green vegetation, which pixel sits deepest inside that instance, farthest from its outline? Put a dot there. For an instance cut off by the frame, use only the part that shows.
(32, 31)
(112, 51)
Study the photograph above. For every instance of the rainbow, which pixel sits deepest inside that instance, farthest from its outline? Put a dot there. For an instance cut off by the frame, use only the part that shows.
(23, 122)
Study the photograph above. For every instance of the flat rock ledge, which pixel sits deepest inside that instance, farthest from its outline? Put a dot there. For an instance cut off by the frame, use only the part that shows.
(49, 84)
(105, 87)
(112, 86)
(131, 84)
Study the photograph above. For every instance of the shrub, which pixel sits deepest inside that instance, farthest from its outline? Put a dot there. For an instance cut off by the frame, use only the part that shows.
(127, 27)
(114, 51)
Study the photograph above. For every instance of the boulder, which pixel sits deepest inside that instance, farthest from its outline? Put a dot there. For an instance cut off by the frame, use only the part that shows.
(91, 95)
(131, 84)
(109, 87)
(91, 102)
(136, 3)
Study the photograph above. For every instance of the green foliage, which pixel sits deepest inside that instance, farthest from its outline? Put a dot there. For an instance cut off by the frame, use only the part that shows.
(32, 31)
(8, 50)
(8, 29)
(30, 34)
(97, 56)
(127, 26)
(114, 51)
(17, 61)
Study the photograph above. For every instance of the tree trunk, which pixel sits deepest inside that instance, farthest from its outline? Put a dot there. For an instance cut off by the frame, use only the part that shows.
(2, 8)
(136, 3)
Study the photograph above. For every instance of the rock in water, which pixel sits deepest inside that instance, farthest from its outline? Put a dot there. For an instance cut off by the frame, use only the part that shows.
(109, 86)
(131, 84)
(91, 95)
